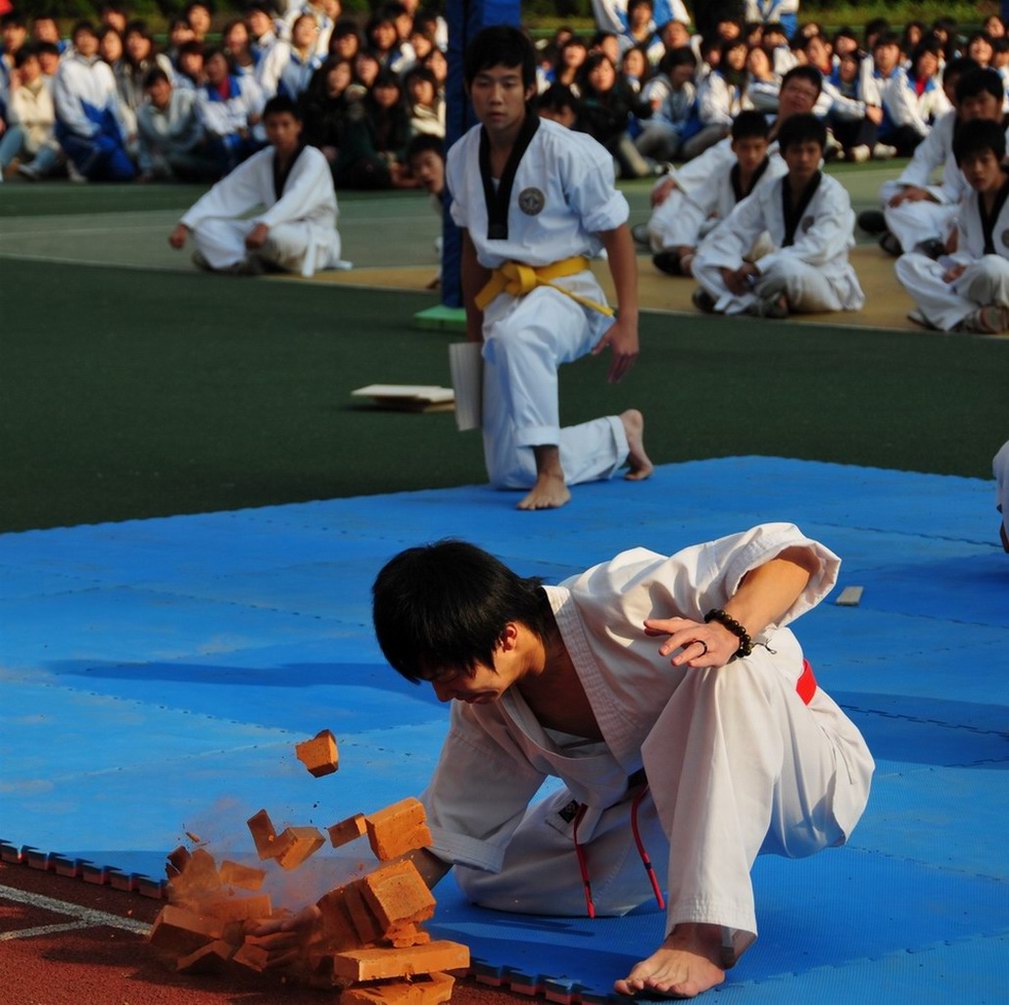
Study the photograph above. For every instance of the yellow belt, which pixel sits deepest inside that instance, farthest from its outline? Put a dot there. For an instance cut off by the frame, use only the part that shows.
(517, 279)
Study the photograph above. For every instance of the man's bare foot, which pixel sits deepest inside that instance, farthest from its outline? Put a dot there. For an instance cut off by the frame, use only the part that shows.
(549, 492)
(637, 460)
(685, 965)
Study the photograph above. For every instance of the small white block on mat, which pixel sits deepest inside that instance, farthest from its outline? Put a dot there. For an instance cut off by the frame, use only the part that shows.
(850, 596)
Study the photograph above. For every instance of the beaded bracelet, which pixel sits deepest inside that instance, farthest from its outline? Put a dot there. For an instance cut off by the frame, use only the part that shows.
(729, 622)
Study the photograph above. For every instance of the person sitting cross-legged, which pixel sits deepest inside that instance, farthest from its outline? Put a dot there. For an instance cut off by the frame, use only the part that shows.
(969, 290)
(809, 219)
(296, 232)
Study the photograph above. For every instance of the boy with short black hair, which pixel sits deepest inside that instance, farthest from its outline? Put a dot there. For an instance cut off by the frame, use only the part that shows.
(969, 290)
(808, 217)
(296, 232)
(535, 202)
(678, 224)
(559, 104)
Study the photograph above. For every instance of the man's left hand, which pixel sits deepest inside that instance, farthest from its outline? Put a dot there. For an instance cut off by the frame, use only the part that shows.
(622, 338)
(256, 237)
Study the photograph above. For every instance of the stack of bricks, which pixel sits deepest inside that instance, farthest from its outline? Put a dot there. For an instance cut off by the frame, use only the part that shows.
(363, 938)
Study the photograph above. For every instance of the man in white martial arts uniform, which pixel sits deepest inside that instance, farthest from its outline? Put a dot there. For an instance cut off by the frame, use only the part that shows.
(809, 219)
(535, 202)
(682, 200)
(699, 215)
(295, 232)
(1000, 467)
(703, 761)
(918, 215)
(969, 290)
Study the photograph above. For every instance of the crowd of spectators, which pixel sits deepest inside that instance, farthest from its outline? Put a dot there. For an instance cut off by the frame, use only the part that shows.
(109, 103)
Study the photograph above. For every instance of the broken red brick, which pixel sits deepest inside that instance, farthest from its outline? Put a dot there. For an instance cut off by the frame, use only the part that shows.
(237, 908)
(397, 829)
(178, 860)
(206, 959)
(403, 936)
(434, 989)
(320, 754)
(252, 955)
(397, 895)
(337, 927)
(179, 931)
(297, 844)
(347, 830)
(263, 834)
(375, 964)
(362, 917)
(245, 876)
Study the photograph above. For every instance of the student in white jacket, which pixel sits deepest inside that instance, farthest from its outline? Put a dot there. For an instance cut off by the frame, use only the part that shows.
(31, 119)
(296, 229)
(809, 219)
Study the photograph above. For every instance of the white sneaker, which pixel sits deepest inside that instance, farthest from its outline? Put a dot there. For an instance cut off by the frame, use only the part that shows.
(73, 174)
(860, 154)
(29, 172)
(883, 152)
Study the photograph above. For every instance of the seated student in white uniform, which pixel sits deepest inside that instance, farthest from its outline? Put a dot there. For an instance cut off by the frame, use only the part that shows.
(681, 226)
(1000, 468)
(295, 231)
(729, 752)
(800, 89)
(808, 217)
(969, 290)
(535, 202)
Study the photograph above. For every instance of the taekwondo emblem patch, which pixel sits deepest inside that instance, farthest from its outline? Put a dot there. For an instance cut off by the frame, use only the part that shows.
(531, 201)
(1005, 238)
(807, 222)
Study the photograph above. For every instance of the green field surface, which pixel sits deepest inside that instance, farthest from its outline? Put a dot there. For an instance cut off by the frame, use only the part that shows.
(135, 386)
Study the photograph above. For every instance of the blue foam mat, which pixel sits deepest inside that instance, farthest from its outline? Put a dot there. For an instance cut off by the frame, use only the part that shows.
(157, 673)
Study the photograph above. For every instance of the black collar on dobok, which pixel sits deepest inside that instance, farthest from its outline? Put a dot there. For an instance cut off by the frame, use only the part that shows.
(498, 200)
(737, 188)
(793, 213)
(988, 220)
(280, 176)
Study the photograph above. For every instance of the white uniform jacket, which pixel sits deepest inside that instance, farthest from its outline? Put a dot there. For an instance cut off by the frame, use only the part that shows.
(970, 231)
(83, 90)
(562, 196)
(822, 238)
(308, 198)
(177, 129)
(491, 764)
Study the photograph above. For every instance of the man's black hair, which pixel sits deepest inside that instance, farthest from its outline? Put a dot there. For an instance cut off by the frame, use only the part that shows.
(446, 605)
(983, 80)
(83, 26)
(46, 48)
(155, 76)
(424, 143)
(886, 38)
(26, 52)
(193, 48)
(557, 97)
(207, 5)
(14, 18)
(798, 129)
(876, 26)
(808, 73)
(281, 104)
(976, 137)
(681, 56)
(500, 45)
(749, 124)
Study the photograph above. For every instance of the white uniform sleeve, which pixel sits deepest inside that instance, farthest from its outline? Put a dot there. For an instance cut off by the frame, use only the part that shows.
(734, 236)
(928, 155)
(67, 101)
(309, 184)
(828, 238)
(271, 66)
(902, 104)
(695, 173)
(233, 196)
(590, 187)
(454, 168)
(610, 15)
(479, 792)
(715, 101)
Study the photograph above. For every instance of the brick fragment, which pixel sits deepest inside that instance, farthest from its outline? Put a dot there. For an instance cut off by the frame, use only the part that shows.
(320, 754)
(363, 919)
(397, 829)
(237, 908)
(179, 931)
(403, 936)
(347, 830)
(252, 955)
(434, 989)
(178, 860)
(198, 880)
(263, 834)
(397, 895)
(338, 931)
(376, 964)
(298, 843)
(245, 876)
(206, 959)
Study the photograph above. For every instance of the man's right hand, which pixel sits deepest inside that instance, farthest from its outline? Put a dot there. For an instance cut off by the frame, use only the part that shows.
(662, 191)
(909, 193)
(177, 238)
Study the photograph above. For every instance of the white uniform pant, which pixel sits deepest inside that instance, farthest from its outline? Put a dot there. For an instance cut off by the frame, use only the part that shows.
(945, 305)
(288, 246)
(1000, 467)
(677, 221)
(805, 287)
(737, 766)
(525, 340)
(914, 222)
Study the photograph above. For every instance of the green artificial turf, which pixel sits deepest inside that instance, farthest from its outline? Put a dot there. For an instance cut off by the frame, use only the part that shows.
(128, 393)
